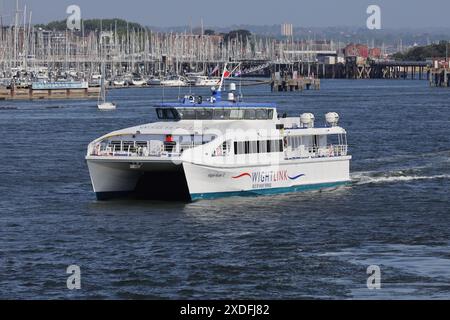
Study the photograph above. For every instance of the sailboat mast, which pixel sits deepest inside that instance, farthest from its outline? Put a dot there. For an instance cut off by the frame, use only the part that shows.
(102, 82)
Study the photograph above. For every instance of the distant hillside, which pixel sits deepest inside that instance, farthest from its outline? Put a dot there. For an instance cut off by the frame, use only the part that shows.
(94, 24)
(422, 53)
(346, 34)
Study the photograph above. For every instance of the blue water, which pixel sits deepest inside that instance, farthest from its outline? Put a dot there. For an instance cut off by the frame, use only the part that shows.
(395, 214)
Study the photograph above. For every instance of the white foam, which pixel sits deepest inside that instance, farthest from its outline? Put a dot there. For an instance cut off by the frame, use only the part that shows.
(367, 179)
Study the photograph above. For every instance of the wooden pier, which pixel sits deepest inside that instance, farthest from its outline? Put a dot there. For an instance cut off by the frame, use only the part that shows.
(440, 77)
(292, 83)
(413, 70)
(30, 94)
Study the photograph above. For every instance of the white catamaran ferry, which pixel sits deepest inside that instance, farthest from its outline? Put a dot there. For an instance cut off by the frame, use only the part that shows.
(211, 148)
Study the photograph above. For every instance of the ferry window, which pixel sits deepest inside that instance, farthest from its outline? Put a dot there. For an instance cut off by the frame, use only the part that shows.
(294, 142)
(253, 146)
(204, 114)
(160, 113)
(167, 114)
(262, 147)
(172, 114)
(280, 146)
(261, 114)
(222, 114)
(274, 146)
(247, 147)
(187, 114)
(241, 149)
(236, 114)
(250, 114)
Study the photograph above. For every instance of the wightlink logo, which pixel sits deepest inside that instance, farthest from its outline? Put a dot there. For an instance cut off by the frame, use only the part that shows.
(268, 176)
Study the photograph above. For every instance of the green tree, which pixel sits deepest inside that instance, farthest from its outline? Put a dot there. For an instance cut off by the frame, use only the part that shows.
(209, 32)
(423, 53)
(240, 34)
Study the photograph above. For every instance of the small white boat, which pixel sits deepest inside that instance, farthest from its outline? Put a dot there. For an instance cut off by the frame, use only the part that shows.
(106, 106)
(103, 104)
(154, 82)
(204, 81)
(174, 82)
(119, 83)
(138, 82)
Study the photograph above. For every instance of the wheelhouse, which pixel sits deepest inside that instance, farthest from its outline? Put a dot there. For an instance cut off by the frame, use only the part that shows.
(202, 113)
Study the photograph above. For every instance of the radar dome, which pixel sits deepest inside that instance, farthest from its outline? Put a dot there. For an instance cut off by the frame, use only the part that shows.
(307, 120)
(332, 118)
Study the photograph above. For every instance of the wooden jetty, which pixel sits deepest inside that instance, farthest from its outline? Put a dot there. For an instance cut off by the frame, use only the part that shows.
(293, 83)
(400, 70)
(30, 94)
(440, 77)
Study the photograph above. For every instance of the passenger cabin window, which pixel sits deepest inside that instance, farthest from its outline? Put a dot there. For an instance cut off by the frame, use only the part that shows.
(250, 114)
(214, 113)
(222, 114)
(236, 114)
(204, 114)
(187, 114)
(167, 114)
(253, 147)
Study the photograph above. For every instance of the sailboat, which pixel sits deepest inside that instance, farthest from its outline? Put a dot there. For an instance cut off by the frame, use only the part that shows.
(104, 105)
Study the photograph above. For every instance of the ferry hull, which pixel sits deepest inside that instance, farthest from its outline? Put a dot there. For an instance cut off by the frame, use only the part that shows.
(207, 182)
(190, 182)
(145, 180)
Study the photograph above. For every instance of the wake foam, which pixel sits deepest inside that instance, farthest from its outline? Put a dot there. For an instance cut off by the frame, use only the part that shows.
(363, 178)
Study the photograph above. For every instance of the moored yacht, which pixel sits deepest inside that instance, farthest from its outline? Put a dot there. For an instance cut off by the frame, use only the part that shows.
(204, 81)
(174, 81)
(209, 148)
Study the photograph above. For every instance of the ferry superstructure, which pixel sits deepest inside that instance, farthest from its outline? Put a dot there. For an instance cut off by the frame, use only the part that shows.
(211, 148)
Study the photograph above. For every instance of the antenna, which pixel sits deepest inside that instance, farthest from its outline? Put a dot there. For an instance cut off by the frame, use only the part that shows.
(446, 51)
(240, 84)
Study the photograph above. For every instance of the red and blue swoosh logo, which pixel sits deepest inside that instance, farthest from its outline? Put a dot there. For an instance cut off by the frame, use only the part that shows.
(245, 174)
(296, 177)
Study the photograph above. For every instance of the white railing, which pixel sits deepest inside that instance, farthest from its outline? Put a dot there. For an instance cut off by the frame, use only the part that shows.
(317, 152)
(151, 149)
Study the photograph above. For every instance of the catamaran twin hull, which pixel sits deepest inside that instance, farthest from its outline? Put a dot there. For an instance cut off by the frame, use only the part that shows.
(187, 181)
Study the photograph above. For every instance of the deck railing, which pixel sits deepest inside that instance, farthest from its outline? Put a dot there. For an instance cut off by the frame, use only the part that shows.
(317, 152)
(161, 149)
(139, 149)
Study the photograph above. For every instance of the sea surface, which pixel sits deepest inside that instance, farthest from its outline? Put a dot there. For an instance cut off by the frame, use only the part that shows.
(312, 245)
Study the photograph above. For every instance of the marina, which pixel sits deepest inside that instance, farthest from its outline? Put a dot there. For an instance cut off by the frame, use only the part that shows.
(136, 56)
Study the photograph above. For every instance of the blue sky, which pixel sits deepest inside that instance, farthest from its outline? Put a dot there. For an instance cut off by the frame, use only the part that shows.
(315, 13)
